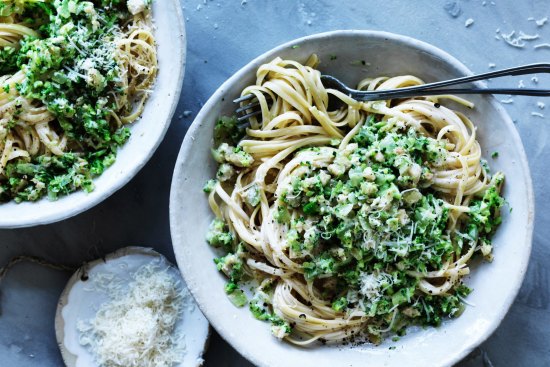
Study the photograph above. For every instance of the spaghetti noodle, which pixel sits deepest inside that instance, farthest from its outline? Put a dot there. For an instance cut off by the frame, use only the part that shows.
(358, 220)
(73, 75)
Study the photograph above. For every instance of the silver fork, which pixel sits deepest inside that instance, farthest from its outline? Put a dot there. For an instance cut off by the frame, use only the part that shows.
(245, 111)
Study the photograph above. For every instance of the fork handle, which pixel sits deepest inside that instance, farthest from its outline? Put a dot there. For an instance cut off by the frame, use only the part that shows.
(405, 92)
(517, 70)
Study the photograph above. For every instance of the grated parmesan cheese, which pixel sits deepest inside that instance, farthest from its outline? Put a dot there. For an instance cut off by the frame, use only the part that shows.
(372, 284)
(136, 6)
(519, 40)
(538, 22)
(137, 327)
(541, 22)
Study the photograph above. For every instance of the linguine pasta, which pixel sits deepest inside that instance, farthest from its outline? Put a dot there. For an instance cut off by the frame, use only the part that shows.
(73, 75)
(351, 221)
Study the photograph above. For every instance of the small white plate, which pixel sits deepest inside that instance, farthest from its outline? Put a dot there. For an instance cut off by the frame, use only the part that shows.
(495, 285)
(80, 301)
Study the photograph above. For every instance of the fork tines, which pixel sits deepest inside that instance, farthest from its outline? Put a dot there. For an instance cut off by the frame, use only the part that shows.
(251, 109)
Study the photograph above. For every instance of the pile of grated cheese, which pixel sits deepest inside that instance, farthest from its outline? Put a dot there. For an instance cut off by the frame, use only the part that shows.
(137, 327)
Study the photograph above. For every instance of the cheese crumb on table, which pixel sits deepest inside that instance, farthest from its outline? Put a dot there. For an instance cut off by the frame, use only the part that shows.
(519, 40)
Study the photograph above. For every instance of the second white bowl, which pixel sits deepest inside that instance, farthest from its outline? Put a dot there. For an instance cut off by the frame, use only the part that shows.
(147, 132)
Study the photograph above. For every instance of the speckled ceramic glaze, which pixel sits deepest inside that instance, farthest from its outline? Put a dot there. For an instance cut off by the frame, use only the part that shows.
(147, 132)
(80, 301)
(495, 284)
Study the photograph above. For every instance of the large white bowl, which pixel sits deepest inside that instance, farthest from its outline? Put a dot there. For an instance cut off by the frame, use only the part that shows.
(495, 284)
(147, 132)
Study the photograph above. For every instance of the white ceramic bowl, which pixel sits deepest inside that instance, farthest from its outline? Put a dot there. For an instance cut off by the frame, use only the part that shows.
(147, 132)
(495, 284)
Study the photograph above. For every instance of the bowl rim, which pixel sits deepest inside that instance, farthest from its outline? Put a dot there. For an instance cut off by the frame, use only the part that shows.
(89, 201)
(421, 46)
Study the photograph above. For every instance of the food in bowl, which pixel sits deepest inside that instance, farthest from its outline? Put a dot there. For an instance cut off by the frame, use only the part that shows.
(353, 222)
(73, 75)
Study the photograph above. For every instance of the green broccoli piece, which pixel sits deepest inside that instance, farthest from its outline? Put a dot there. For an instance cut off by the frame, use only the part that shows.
(225, 172)
(252, 195)
(340, 304)
(235, 294)
(279, 327)
(8, 62)
(282, 215)
(231, 265)
(240, 158)
(234, 155)
(218, 234)
(259, 311)
(485, 213)
(227, 130)
(209, 186)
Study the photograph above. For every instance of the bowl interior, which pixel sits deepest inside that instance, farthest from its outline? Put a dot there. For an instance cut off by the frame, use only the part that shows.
(147, 132)
(358, 54)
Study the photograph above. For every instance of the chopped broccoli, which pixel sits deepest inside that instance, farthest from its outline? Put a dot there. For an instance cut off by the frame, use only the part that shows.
(485, 213)
(225, 172)
(280, 328)
(227, 130)
(218, 234)
(282, 215)
(235, 295)
(231, 265)
(8, 62)
(240, 158)
(259, 308)
(234, 155)
(252, 195)
(209, 186)
(340, 304)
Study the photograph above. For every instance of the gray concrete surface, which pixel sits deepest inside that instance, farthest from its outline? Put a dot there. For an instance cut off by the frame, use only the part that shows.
(223, 35)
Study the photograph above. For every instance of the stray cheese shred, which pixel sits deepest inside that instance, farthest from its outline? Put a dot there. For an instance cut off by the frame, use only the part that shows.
(137, 327)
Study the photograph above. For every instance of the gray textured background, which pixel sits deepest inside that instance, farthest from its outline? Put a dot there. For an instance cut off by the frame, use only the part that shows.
(222, 37)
